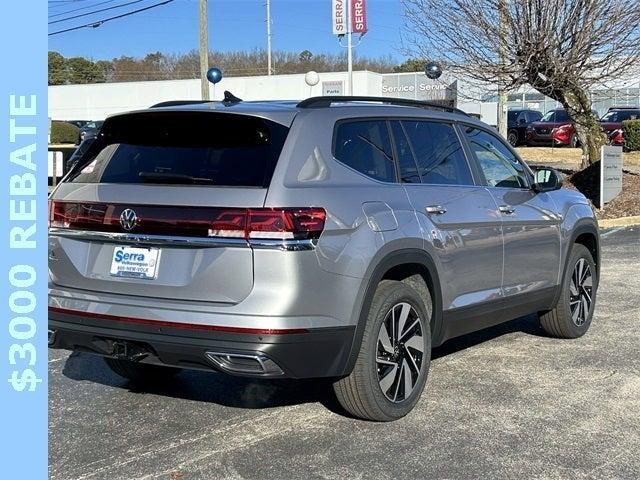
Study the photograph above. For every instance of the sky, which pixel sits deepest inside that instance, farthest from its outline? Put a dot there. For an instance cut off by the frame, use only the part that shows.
(297, 25)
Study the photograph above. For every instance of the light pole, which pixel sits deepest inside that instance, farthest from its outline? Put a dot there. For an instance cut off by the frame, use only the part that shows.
(204, 50)
(269, 69)
(349, 50)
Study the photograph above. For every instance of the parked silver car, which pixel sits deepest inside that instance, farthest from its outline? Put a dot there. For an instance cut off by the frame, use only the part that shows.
(338, 237)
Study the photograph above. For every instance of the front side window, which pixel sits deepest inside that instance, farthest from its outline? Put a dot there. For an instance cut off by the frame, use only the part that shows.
(438, 153)
(501, 168)
(365, 146)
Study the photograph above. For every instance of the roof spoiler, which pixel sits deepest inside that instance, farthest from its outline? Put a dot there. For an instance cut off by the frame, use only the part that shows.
(229, 99)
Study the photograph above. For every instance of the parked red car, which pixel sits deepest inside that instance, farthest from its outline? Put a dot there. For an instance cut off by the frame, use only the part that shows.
(611, 123)
(541, 133)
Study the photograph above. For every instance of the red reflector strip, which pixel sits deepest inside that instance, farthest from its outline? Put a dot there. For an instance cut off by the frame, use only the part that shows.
(186, 326)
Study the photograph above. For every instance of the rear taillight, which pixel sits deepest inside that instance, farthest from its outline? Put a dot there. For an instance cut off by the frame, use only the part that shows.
(269, 223)
(247, 223)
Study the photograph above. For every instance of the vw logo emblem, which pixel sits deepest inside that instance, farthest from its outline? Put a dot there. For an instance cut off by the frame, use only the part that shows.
(128, 219)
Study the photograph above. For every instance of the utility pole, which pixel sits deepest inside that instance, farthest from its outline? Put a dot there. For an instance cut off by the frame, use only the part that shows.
(349, 49)
(269, 68)
(204, 50)
(502, 92)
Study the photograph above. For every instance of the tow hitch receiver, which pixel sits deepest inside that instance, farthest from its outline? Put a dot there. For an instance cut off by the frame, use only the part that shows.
(128, 350)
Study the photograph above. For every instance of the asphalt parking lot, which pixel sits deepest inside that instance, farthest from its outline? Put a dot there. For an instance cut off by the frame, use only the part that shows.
(506, 402)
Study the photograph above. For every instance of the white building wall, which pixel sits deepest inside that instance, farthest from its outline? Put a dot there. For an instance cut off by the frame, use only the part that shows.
(97, 101)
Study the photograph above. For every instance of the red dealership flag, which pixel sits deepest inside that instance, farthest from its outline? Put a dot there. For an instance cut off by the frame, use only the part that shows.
(359, 16)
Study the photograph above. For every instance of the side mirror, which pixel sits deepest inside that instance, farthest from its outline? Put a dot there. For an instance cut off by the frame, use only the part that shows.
(546, 180)
(522, 121)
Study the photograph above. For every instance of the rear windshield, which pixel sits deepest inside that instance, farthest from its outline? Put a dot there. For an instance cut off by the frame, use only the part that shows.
(184, 148)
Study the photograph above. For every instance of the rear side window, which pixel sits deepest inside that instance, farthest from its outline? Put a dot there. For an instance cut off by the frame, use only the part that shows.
(184, 148)
(365, 146)
(438, 153)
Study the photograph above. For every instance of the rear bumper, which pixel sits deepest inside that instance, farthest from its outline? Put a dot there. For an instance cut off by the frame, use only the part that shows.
(296, 353)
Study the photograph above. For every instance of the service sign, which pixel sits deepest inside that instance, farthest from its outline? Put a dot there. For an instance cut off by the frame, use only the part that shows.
(339, 16)
(359, 16)
(610, 173)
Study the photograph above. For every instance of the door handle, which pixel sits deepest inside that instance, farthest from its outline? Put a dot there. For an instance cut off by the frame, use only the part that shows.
(506, 209)
(435, 209)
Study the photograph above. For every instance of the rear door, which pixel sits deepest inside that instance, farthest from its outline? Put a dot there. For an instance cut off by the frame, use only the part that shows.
(531, 226)
(150, 207)
(457, 217)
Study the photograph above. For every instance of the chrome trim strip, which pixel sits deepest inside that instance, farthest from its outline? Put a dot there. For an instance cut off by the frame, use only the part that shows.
(285, 245)
(184, 242)
(144, 239)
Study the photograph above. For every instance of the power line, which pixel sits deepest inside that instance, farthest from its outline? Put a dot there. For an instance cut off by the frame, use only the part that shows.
(95, 11)
(101, 22)
(80, 8)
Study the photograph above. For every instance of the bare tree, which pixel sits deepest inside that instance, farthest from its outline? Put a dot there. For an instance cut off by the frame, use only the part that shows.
(561, 48)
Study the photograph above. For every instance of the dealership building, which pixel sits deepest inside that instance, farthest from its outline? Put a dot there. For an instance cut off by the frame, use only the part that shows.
(97, 101)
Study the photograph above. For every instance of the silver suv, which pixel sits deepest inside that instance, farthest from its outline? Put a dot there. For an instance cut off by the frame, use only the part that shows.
(339, 237)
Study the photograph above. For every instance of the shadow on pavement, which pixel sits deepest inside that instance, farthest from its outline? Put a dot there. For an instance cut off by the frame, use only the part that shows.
(240, 392)
(528, 325)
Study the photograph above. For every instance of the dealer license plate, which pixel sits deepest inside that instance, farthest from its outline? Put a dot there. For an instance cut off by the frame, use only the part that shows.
(135, 262)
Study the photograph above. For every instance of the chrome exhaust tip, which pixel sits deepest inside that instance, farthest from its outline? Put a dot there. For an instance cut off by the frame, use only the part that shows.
(51, 336)
(246, 364)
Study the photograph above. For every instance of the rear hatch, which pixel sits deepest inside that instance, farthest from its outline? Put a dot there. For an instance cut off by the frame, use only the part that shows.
(154, 206)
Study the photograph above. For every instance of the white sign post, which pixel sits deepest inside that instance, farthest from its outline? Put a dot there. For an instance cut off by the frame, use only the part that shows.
(610, 173)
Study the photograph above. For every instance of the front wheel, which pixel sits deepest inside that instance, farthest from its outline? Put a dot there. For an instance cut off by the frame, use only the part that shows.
(572, 315)
(512, 138)
(393, 362)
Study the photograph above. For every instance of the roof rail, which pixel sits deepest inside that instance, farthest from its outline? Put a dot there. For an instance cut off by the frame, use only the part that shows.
(326, 101)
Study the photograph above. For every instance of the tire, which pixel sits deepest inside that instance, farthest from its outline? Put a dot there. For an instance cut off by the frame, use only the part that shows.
(389, 390)
(568, 319)
(140, 372)
(512, 138)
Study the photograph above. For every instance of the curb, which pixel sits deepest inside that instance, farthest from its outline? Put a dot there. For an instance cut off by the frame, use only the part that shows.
(619, 222)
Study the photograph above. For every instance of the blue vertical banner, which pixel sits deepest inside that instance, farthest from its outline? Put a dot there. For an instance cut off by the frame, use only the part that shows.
(23, 240)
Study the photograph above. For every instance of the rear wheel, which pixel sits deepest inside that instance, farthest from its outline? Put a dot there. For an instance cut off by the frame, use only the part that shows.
(572, 315)
(393, 362)
(140, 372)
